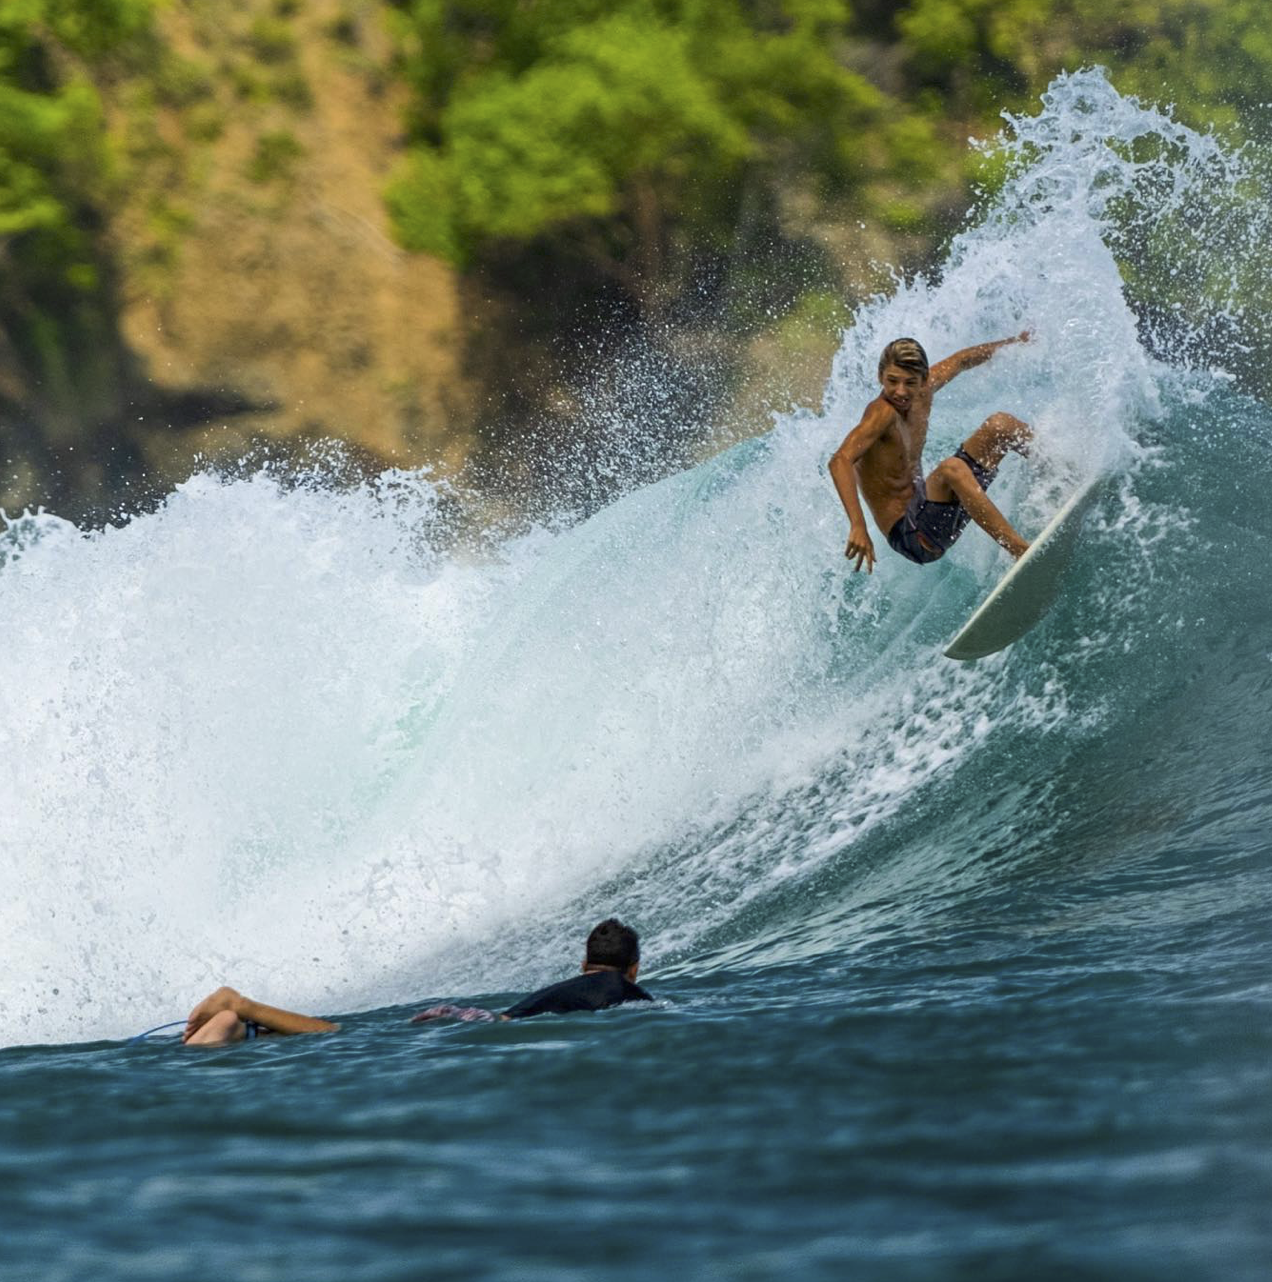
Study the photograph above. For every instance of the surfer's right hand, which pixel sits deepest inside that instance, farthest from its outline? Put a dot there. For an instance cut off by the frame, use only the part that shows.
(860, 546)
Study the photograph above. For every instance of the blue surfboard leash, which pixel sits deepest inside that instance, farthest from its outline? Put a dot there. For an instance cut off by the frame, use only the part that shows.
(176, 1023)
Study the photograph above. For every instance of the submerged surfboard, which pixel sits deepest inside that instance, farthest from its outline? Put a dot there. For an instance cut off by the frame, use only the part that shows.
(1029, 589)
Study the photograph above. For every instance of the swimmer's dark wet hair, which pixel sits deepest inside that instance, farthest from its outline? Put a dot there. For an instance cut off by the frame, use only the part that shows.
(613, 944)
(907, 354)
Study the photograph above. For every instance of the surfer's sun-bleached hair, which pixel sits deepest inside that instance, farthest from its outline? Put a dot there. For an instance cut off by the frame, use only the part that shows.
(908, 354)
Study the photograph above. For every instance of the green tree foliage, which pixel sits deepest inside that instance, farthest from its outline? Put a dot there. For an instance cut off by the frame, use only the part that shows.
(1212, 59)
(55, 174)
(634, 129)
(676, 153)
(1210, 62)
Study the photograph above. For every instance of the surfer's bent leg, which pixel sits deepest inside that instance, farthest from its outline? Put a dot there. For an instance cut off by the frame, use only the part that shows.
(962, 478)
(999, 433)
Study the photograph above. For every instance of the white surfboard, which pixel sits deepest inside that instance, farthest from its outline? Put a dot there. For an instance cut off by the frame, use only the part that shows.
(1029, 589)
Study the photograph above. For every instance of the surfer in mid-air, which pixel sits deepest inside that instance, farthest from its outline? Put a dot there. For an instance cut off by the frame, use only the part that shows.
(883, 458)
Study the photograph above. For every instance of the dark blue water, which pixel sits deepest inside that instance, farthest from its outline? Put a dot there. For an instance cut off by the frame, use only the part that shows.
(1066, 1079)
(962, 971)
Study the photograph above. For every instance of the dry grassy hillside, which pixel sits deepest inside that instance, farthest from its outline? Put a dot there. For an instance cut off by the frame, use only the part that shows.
(261, 288)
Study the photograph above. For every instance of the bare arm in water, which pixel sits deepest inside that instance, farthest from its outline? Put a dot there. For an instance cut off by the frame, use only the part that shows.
(221, 1016)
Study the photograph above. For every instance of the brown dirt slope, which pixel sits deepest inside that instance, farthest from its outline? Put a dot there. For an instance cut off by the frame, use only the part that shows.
(259, 270)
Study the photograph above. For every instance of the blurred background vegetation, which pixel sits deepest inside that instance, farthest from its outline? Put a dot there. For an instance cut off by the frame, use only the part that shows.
(469, 233)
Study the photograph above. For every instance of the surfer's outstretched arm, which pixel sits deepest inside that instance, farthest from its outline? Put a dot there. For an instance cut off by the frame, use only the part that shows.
(970, 357)
(225, 1015)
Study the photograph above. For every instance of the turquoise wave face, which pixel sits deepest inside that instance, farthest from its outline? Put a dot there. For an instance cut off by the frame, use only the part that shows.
(291, 737)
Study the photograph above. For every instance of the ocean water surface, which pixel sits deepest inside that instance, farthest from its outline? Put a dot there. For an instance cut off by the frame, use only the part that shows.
(962, 970)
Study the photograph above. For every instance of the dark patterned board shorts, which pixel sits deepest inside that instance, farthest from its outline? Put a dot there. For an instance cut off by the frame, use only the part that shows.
(927, 529)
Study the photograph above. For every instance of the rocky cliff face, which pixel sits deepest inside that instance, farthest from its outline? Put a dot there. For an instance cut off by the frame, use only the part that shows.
(261, 292)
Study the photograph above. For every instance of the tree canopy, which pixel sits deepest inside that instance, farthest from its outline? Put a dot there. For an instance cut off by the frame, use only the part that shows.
(701, 164)
(633, 127)
(55, 173)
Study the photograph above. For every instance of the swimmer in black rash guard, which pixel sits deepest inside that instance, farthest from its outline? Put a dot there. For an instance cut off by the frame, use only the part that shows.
(608, 979)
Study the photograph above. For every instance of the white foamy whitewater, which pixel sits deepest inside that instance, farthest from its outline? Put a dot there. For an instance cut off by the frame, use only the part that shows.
(271, 735)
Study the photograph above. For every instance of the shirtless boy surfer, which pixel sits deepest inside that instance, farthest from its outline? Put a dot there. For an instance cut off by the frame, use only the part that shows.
(883, 455)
